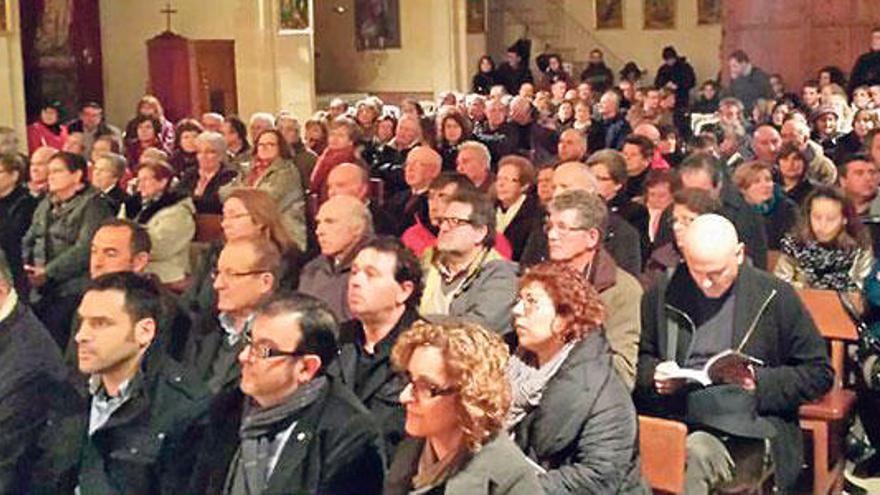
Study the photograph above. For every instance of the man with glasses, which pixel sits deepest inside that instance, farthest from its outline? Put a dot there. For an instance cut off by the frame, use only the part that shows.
(383, 294)
(302, 431)
(343, 225)
(575, 228)
(245, 277)
(466, 276)
(141, 428)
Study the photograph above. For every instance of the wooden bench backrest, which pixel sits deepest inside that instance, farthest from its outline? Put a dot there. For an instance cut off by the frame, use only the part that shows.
(663, 452)
(834, 324)
(208, 228)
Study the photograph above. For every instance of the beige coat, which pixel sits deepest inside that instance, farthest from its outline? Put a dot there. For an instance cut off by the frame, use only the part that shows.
(171, 231)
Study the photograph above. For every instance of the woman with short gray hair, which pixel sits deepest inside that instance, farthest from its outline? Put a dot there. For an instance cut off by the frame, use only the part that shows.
(203, 183)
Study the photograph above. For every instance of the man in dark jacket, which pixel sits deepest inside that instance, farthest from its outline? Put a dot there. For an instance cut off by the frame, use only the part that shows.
(56, 247)
(747, 82)
(714, 303)
(612, 124)
(515, 71)
(302, 431)
(597, 73)
(866, 70)
(496, 132)
(410, 206)
(676, 74)
(146, 417)
(383, 293)
(32, 381)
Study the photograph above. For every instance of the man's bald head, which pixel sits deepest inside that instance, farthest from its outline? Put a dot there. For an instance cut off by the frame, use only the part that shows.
(348, 179)
(647, 130)
(423, 165)
(573, 176)
(713, 253)
(765, 143)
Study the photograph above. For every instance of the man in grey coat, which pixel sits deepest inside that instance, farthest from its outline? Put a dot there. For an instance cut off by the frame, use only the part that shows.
(465, 276)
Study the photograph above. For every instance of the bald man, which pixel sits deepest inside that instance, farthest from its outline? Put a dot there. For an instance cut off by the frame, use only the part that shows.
(714, 302)
(342, 226)
(349, 179)
(765, 143)
(621, 239)
(422, 166)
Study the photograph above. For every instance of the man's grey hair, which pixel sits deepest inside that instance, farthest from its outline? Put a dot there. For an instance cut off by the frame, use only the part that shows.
(264, 116)
(116, 161)
(590, 208)
(480, 148)
(214, 115)
(215, 140)
(285, 115)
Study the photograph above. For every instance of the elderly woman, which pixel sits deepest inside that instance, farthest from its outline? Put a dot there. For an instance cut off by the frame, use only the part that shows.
(247, 214)
(316, 133)
(571, 412)
(792, 165)
(183, 155)
(272, 170)
(517, 211)
(830, 249)
(203, 183)
(755, 182)
(167, 215)
(456, 399)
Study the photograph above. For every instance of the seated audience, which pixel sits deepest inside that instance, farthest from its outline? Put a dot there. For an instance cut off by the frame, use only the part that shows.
(611, 126)
(273, 171)
(212, 171)
(148, 135)
(563, 381)
(637, 151)
(304, 158)
(485, 77)
(38, 171)
(316, 133)
(168, 217)
(455, 129)
(16, 213)
(495, 132)
(388, 162)
(142, 428)
(259, 123)
(474, 161)
(658, 197)
(47, 130)
(349, 179)
(864, 121)
(456, 400)
(755, 182)
(342, 226)
(91, 125)
(423, 165)
(858, 180)
(572, 146)
(691, 318)
(820, 169)
(830, 249)
(55, 249)
(238, 148)
(464, 275)
(383, 295)
(301, 430)
(517, 210)
(107, 172)
(212, 122)
(150, 107)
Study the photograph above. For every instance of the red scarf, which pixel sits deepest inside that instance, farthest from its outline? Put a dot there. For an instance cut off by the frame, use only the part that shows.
(258, 168)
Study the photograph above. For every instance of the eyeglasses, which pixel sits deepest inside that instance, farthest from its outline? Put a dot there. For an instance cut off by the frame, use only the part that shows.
(230, 274)
(423, 390)
(261, 350)
(234, 217)
(452, 222)
(561, 228)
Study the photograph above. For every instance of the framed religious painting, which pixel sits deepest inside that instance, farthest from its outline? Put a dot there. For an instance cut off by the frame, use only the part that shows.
(609, 14)
(659, 14)
(294, 16)
(708, 12)
(377, 24)
(476, 16)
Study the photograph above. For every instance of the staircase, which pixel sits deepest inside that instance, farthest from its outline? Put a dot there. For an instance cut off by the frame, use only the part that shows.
(553, 29)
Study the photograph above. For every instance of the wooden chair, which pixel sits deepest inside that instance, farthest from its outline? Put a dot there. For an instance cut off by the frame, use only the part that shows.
(825, 418)
(663, 452)
(208, 228)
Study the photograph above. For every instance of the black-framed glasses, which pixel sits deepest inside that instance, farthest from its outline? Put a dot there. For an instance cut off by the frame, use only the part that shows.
(261, 350)
(453, 222)
(561, 228)
(424, 390)
(215, 274)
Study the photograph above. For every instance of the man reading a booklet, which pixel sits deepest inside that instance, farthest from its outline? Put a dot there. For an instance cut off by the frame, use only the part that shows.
(730, 350)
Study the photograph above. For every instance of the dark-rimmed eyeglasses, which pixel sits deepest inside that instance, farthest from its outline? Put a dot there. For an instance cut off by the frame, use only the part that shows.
(424, 390)
(261, 350)
(453, 222)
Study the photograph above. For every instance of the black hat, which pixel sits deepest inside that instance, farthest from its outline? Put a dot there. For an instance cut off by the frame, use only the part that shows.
(730, 409)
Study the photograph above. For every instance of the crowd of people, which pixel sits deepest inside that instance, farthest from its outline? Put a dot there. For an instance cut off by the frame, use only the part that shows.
(473, 295)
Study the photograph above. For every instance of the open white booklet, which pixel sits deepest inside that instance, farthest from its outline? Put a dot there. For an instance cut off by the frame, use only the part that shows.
(729, 366)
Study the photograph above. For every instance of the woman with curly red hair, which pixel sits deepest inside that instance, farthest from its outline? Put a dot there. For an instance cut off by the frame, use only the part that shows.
(456, 399)
(570, 411)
